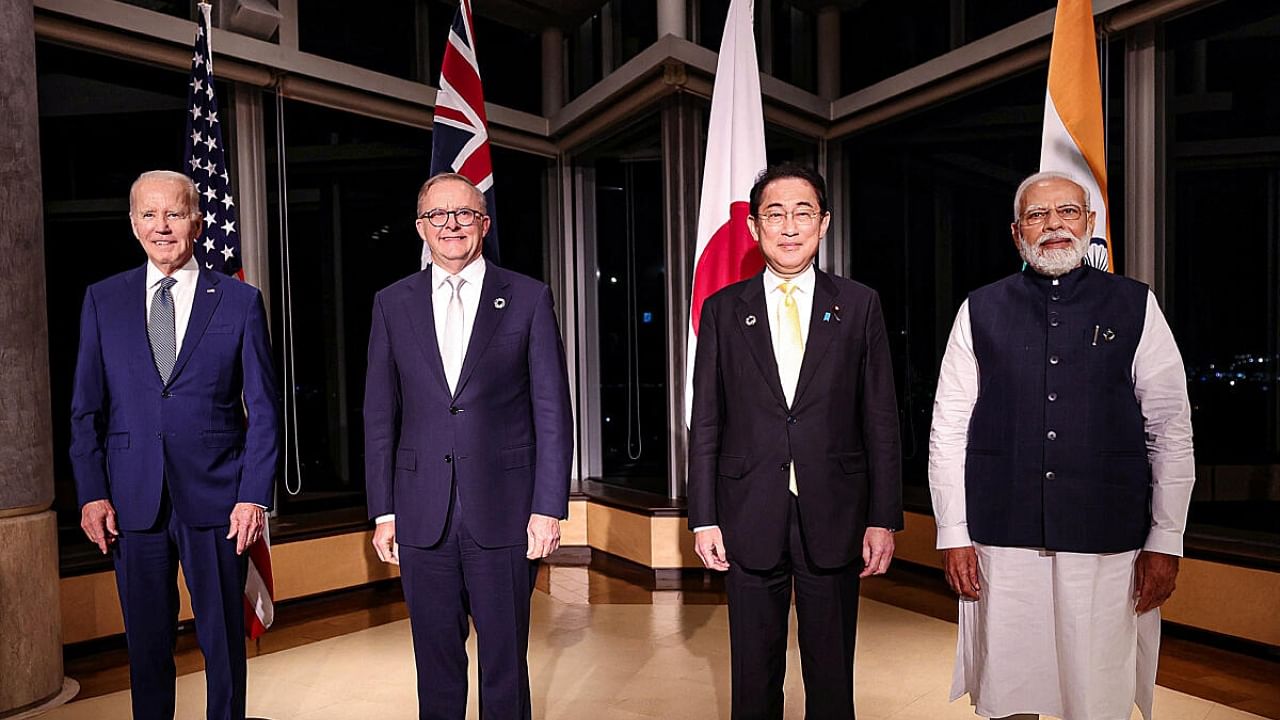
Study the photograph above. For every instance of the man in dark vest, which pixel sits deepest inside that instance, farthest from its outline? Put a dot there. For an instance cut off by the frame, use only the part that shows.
(1061, 470)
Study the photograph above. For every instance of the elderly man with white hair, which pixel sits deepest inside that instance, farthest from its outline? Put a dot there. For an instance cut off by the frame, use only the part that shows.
(1061, 467)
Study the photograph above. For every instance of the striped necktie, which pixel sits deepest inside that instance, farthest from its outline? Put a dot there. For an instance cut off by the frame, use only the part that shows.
(161, 329)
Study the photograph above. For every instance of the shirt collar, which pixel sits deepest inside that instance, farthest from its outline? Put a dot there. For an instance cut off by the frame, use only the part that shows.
(472, 273)
(186, 273)
(804, 282)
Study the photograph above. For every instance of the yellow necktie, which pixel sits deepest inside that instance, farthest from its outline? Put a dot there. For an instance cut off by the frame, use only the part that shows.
(790, 352)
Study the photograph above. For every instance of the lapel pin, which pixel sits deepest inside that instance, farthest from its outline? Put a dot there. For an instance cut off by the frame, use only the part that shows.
(826, 316)
(835, 312)
(751, 320)
(1108, 334)
(211, 291)
(500, 303)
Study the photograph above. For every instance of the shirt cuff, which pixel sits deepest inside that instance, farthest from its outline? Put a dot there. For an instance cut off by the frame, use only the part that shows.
(706, 527)
(389, 517)
(953, 536)
(1164, 541)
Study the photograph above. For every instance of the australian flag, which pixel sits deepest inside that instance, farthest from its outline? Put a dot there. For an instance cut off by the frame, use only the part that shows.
(460, 134)
(205, 162)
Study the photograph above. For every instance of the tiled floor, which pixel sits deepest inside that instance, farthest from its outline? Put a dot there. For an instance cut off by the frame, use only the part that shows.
(646, 655)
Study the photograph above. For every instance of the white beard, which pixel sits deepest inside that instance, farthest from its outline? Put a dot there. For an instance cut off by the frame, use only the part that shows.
(1053, 263)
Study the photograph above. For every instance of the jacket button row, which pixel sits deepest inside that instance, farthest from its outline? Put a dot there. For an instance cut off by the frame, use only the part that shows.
(166, 394)
(784, 467)
(1053, 397)
(455, 410)
(448, 458)
(1051, 475)
(791, 420)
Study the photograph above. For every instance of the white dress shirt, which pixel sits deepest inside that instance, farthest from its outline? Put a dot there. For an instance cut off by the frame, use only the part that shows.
(803, 295)
(1160, 386)
(441, 292)
(773, 296)
(183, 292)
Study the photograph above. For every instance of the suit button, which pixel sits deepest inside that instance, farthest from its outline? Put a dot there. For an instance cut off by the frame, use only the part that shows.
(1051, 475)
(1053, 397)
(166, 394)
(448, 458)
(784, 467)
(159, 434)
(1052, 434)
(455, 410)
(1053, 320)
(1055, 296)
(791, 420)
(1053, 359)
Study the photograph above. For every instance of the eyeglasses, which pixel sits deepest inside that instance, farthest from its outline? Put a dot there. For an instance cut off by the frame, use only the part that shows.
(1038, 216)
(439, 217)
(148, 216)
(803, 217)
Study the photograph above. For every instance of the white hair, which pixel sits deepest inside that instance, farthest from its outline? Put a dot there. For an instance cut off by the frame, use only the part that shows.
(193, 195)
(1042, 177)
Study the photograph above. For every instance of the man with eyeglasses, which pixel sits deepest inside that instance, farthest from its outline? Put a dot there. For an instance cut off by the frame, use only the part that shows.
(468, 440)
(1061, 467)
(167, 467)
(794, 460)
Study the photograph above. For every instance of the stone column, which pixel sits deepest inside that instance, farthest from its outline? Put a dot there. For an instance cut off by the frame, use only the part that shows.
(671, 18)
(30, 616)
(552, 70)
(829, 52)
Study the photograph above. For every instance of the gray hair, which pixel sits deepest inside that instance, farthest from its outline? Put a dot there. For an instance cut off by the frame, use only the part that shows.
(193, 195)
(441, 177)
(1042, 177)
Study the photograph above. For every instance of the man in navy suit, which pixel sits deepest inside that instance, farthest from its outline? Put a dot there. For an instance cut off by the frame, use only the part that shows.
(166, 468)
(794, 461)
(468, 441)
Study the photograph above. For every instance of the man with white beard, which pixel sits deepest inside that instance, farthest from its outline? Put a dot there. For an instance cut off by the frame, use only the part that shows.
(1060, 464)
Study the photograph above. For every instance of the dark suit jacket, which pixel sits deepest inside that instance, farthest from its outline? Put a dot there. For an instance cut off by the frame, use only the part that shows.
(130, 433)
(841, 431)
(506, 434)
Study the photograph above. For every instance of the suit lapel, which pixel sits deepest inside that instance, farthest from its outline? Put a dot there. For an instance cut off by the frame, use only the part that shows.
(752, 319)
(135, 326)
(423, 313)
(488, 317)
(208, 295)
(821, 330)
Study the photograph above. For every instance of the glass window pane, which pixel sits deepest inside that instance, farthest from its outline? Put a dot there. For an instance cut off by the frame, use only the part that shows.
(352, 187)
(1222, 259)
(631, 308)
(380, 36)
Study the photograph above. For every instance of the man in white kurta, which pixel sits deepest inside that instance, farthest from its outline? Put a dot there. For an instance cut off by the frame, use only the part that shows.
(1043, 630)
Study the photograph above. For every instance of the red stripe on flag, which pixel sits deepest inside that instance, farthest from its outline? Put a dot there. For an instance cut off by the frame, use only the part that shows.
(465, 80)
(730, 255)
(478, 166)
(260, 558)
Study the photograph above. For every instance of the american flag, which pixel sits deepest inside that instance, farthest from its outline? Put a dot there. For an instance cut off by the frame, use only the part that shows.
(460, 133)
(219, 249)
(205, 162)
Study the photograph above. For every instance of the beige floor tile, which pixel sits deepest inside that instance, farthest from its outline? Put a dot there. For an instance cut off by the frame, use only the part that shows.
(623, 662)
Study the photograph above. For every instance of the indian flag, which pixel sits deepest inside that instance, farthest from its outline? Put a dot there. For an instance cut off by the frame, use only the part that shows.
(1073, 141)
